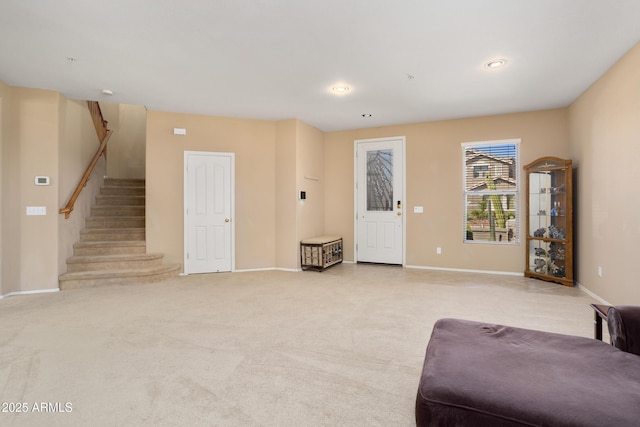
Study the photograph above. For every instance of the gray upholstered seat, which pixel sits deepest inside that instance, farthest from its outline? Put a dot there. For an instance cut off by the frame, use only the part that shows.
(480, 374)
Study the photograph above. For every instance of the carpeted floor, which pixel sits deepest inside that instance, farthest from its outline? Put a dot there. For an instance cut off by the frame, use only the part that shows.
(339, 348)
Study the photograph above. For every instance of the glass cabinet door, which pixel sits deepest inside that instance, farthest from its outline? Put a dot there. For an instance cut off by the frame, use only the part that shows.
(539, 203)
(549, 222)
(548, 258)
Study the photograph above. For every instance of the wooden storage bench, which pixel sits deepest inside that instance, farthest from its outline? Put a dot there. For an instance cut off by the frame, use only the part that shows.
(321, 252)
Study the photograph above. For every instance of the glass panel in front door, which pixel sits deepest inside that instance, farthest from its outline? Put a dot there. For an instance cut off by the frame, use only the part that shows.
(380, 180)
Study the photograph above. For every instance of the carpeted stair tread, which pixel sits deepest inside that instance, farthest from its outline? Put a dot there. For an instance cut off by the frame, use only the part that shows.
(119, 190)
(126, 272)
(77, 259)
(120, 221)
(124, 182)
(109, 243)
(110, 234)
(110, 211)
(124, 186)
(131, 276)
(95, 218)
(119, 200)
(110, 230)
(118, 207)
(109, 247)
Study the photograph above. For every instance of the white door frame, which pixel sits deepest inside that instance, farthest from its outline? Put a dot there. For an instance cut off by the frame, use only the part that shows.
(403, 140)
(232, 156)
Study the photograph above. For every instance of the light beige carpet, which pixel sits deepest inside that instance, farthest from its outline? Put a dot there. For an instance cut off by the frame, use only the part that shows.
(339, 348)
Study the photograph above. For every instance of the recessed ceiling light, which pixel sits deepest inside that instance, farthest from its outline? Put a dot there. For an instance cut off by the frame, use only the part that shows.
(340, 89)
(495, 63)
(367, 115)
(107, 92)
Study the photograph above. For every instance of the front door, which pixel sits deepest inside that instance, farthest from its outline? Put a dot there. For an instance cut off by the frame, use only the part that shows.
(208, 212)
(380, 201)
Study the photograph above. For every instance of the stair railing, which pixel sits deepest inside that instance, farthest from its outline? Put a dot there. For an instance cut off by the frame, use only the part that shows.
(104, 133)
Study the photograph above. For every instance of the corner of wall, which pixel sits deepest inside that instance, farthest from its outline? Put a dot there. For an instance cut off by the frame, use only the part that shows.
(299, 167)
(4, 93)
(310, 164)
(604, 131)
(285, 195)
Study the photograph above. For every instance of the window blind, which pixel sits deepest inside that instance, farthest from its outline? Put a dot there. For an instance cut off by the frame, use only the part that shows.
(491, 182)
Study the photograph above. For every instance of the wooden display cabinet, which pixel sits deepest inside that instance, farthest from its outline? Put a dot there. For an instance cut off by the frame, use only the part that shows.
(549, 220)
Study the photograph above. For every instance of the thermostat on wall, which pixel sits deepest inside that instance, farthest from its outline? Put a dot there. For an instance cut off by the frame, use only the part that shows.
(42, 180)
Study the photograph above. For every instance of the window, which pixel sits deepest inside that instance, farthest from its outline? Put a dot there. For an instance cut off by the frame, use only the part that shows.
(490, 177)
(480, 171)
(380, 180)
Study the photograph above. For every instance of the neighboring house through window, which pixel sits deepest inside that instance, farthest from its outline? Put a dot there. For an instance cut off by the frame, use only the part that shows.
(490, 177)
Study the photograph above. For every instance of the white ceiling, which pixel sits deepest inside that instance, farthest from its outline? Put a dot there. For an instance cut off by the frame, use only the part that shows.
(278, 59)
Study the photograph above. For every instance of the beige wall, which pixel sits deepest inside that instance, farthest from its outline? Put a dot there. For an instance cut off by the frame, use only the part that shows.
(605, 135)
(11, 213)
(434, 181)
(252, 141)
(126, 150)
(32, 150)
(40, 133)
(299, 167)
(77, 146)
(4, 100)
(285, 195)
(310, 178)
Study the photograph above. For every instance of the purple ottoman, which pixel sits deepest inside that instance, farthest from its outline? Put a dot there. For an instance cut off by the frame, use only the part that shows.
(481, 374)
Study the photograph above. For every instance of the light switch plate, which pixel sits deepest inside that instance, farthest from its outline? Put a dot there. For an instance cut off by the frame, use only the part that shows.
(418, 209)
(36, 210)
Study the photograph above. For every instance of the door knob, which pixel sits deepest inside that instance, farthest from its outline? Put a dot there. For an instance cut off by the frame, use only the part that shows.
(399, 213)
(227, 220)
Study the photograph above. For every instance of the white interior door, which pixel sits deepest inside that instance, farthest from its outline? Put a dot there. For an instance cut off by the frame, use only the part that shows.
(380, 201)
(208, 212)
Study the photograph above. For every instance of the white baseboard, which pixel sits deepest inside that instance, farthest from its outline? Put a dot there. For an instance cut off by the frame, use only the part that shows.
(249, 270)
(592, 294)
(419, 267)
(41, 291)
(464, 270)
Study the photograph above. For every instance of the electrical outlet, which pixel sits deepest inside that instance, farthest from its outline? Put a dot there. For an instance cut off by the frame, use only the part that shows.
(599, 271)
(439, 250)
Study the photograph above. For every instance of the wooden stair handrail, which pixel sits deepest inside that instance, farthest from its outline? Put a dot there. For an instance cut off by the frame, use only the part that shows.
(103, 135)
(98, 119)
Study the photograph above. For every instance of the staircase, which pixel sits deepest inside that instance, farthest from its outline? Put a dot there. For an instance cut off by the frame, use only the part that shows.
(112, 247)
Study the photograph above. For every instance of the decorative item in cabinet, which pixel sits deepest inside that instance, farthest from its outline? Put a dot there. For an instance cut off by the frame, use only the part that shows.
(549, 220)
(320, 252)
